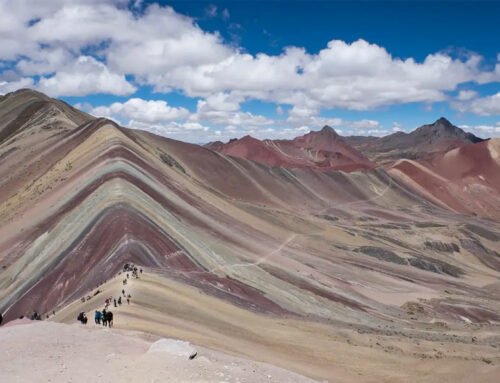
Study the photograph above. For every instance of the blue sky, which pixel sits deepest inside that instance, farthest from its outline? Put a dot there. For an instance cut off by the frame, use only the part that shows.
(206, 70)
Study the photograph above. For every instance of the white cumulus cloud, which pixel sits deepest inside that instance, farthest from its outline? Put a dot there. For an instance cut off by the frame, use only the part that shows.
(483, 106)
(143, 111)
(85, 76)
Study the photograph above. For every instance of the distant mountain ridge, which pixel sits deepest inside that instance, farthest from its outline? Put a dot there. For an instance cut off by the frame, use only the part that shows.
(424, 142)
(320, 150)
(327, 150)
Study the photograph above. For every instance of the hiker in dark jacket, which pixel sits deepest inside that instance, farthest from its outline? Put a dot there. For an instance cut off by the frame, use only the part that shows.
(97, 317)
(82, 318)
(109, 318)
(104, 318)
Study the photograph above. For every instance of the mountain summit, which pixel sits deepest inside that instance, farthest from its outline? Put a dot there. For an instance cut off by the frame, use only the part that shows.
(424, 142)
(444, 129)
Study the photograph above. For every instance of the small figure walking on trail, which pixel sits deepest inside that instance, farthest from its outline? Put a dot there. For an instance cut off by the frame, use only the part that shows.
(114, 301)
(128, 300)
(104, 318)
(109, 318)
(123, 292)
(97, 317)
(120, 301)
(127, 275)
(82, 318)
(141, 270)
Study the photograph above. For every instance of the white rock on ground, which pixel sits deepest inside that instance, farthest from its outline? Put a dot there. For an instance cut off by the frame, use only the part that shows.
(173, 347)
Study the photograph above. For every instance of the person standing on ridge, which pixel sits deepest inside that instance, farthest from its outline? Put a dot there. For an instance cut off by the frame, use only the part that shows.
(104, 318)
(109, 317)
(82, 318)
(97, 317)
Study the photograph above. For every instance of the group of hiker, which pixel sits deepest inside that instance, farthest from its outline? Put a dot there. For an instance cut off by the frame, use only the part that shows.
(105, 317)
(35, 316)
(132, 269)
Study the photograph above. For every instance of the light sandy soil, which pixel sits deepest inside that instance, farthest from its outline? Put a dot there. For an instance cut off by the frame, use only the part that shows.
(336, 353)
(60, 353)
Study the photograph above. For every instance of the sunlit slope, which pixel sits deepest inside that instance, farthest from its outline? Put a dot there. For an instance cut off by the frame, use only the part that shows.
(169, 308)
(465, 180)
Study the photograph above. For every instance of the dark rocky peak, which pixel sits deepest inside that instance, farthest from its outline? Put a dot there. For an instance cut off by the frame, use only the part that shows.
(328, 131)
(445, 129)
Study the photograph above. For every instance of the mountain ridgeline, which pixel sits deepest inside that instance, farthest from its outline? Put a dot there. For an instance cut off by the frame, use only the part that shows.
(326, 150)
(422, 143)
